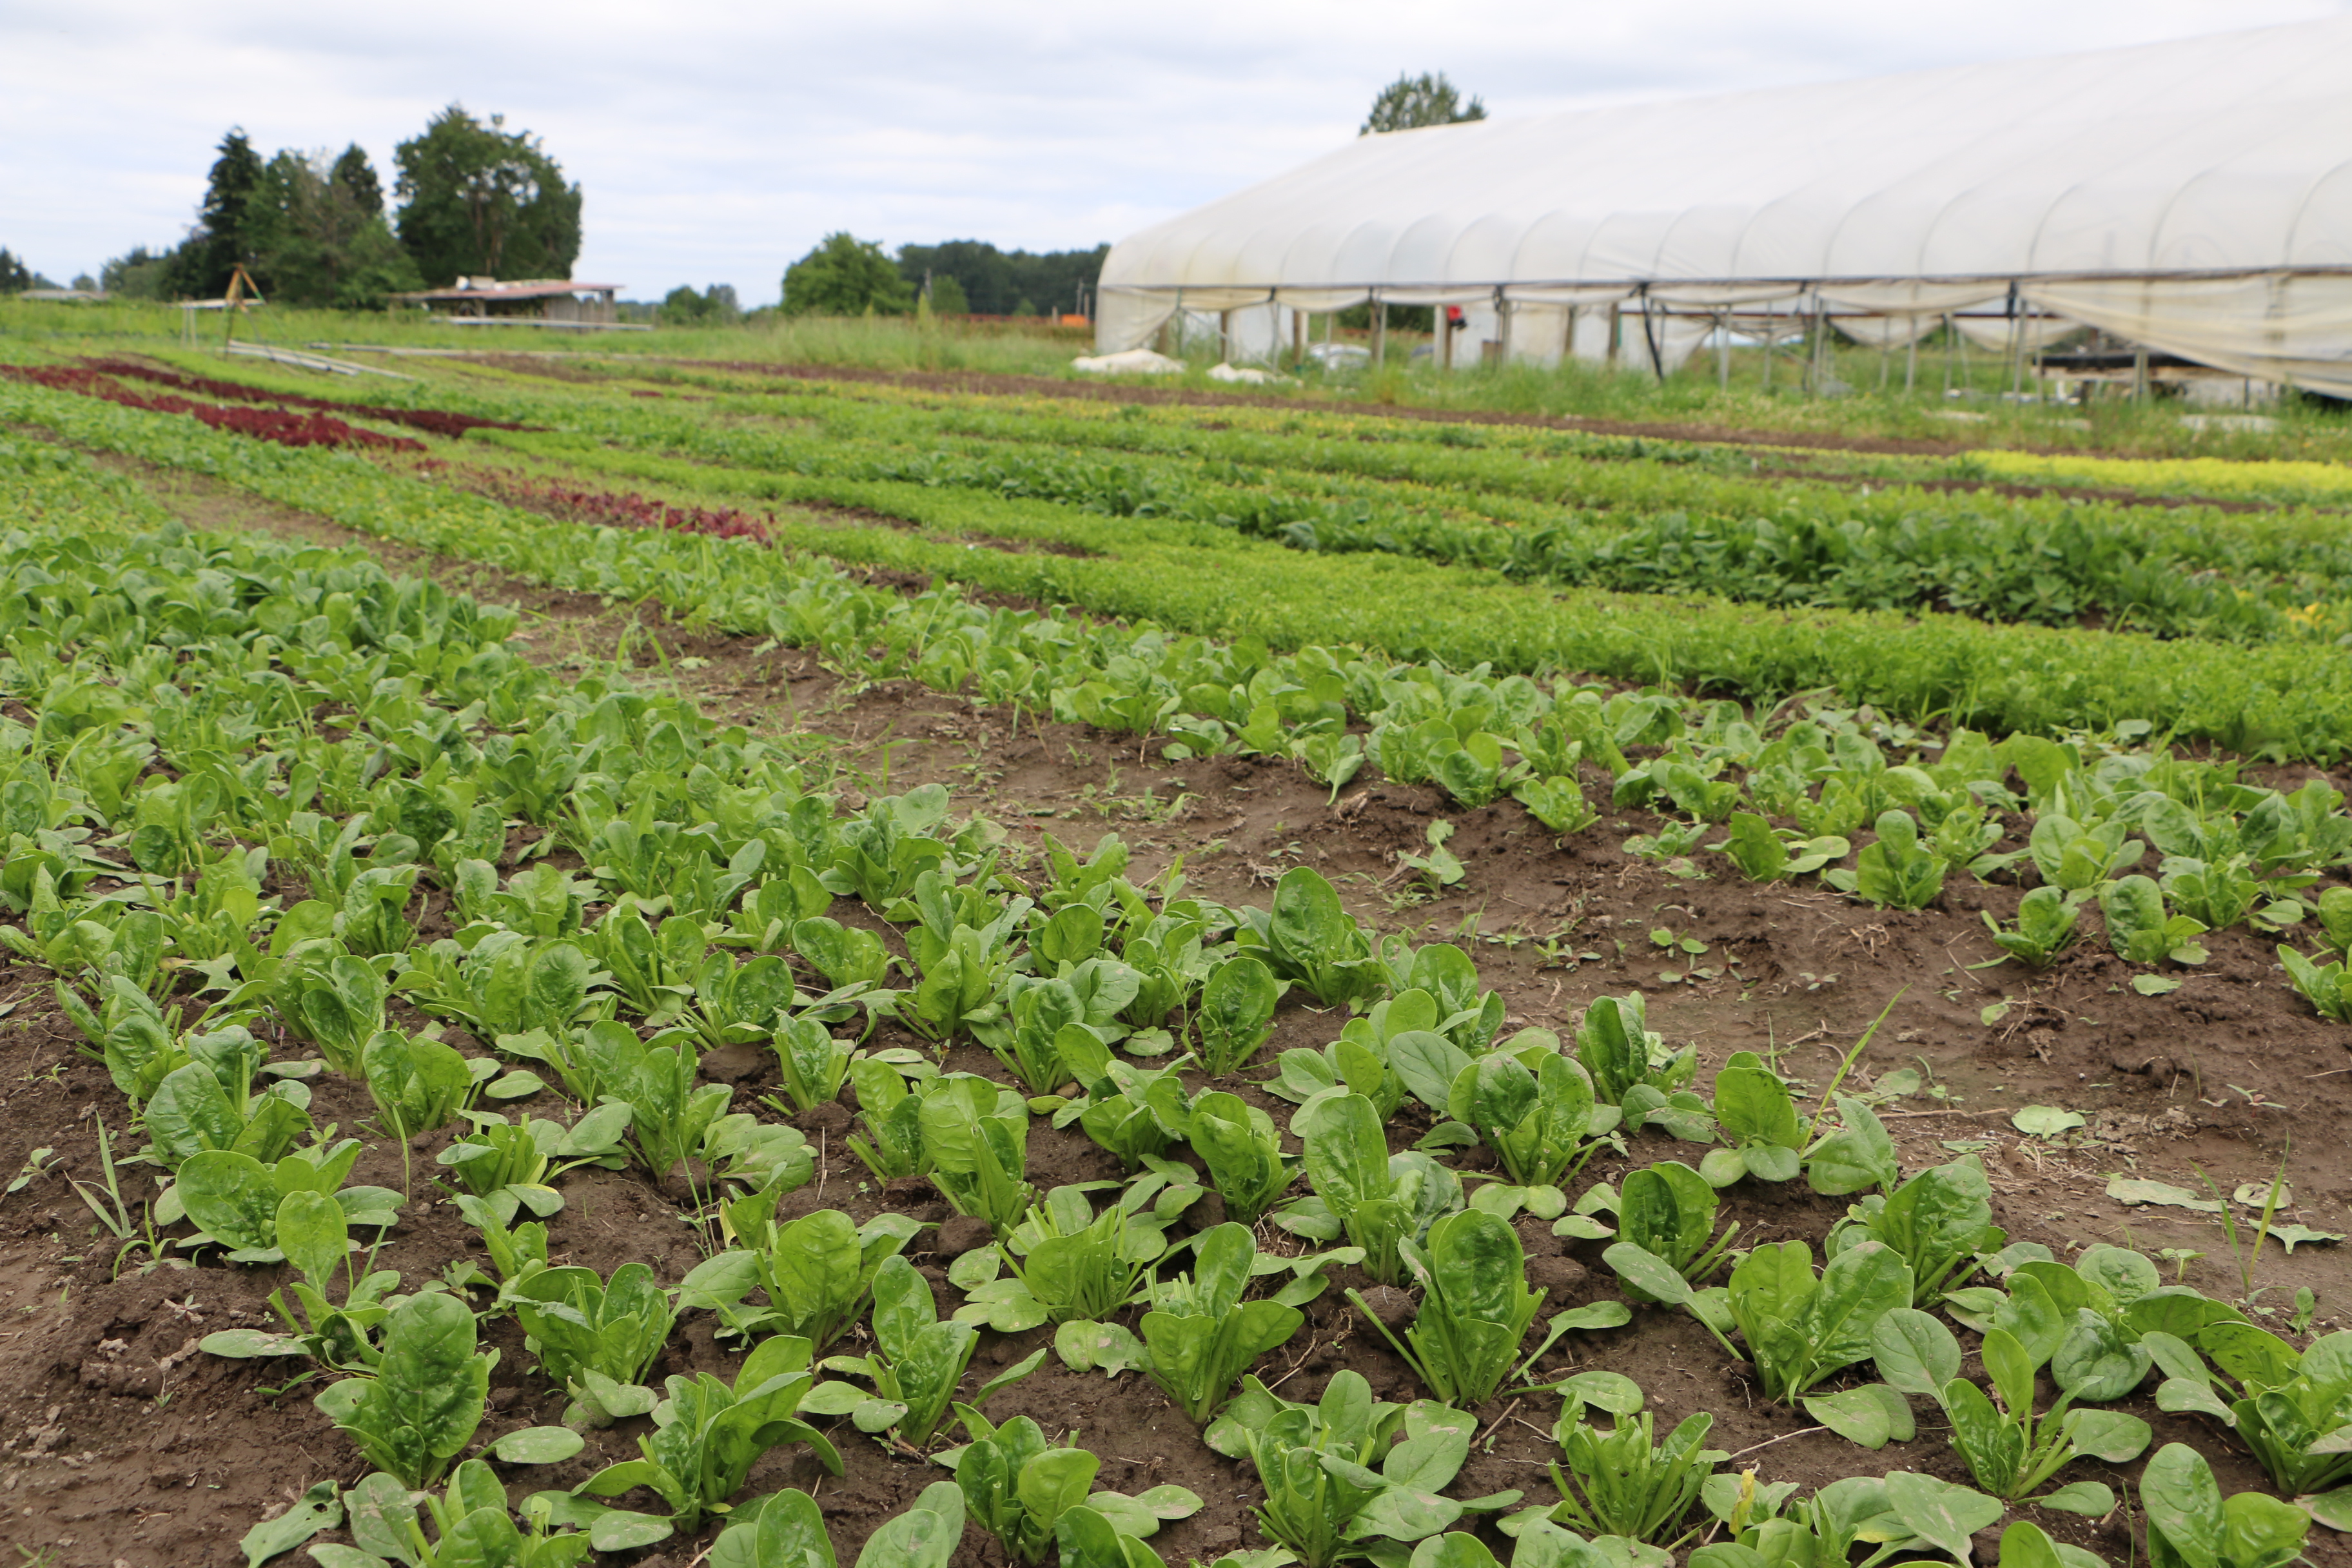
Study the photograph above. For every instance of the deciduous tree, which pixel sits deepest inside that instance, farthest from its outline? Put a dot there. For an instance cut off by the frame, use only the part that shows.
(846, 276)
(478, 200)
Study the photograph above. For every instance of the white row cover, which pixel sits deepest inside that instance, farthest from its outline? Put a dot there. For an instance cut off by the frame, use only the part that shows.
(2193, 195)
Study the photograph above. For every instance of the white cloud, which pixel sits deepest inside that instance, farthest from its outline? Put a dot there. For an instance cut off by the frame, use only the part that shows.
(716, 142)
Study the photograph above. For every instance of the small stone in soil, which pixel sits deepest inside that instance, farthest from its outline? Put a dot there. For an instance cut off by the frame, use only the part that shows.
(1392, 1307)
(961, 1234)
(736, 1063)
(1562, 1277)
(825, 1116)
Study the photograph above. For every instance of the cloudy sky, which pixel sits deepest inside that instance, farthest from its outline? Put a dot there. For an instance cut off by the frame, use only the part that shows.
(716, 142)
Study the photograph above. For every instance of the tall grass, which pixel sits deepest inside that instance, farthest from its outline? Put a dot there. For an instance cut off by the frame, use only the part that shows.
(1624, 394)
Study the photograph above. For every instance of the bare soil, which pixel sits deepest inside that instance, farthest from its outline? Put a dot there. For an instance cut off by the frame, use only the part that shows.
(121, 1444)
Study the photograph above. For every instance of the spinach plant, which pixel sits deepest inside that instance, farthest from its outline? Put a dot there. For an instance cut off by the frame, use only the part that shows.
(2191, 1525)
(1019, 1489)
(1381, 1201)
(2292, 1410)
(419, 1409)
(509, 1165)
(471, 1521)
(1475, 1307)
(1938, 1221)
(1541, 1124)
(915, 1365)
(817, 1272)
(1764, 855)
(1627, 1486)
(2008, 1450)
(1238, 1144)
(1236, 1014)
(2141, 931)
(708, 1434)
(1631, 1069)
(977, 1137)
(815, 1064)
(1309, 939)
(597, 1337)
(2327, 986)
(1758, 1122)
(1200, 1334)
(236, 1200)
(1896, 870)
(2045, 929)
(1325, 1502)
(1799, 1325)
(1668, 1210)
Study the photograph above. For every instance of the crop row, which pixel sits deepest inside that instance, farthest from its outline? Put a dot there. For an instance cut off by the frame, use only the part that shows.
(1549, 507)
(2230, 853)
(1599, 524)
(278, 425)
(432, 421)
(175, 683)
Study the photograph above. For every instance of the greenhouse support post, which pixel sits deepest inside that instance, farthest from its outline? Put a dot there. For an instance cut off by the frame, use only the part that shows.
(1379, 329)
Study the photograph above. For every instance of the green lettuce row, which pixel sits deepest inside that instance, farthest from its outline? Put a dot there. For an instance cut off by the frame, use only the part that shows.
(2272, 701)
(1646, 525)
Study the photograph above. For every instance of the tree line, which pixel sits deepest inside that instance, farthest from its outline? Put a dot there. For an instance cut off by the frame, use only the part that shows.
(476, 199)
(846, 276)
(472, 198)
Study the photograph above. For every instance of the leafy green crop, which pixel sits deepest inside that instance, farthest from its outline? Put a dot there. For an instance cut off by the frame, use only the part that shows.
(1759, 1121)
(1324, 1500)
(816, 1271)
(597, 1337)
(419, 1409)
(915, 1365)
(1020, 1491)
(471, 1524)
(1235, 1014)
(1938, 1223)
(1668, 1210)
(1243, 1153)
(1625, 1485)
(1200, 1334)
(1475, 1307)
(1896, 870)
(1381, 1201)
(706, 1433)
(1308, 938)
(2008, 1449)
(1541, 1124)
(2191, 1525)
(1798, 1325)
(2294, 1411)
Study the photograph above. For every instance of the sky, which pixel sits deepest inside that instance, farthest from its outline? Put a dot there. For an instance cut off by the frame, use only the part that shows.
(716, 142)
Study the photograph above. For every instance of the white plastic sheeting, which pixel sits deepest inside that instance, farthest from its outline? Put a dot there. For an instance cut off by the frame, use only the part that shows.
(2195, 196)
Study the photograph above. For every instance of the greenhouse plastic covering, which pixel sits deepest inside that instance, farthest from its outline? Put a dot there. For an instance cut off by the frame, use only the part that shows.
(2195, 197)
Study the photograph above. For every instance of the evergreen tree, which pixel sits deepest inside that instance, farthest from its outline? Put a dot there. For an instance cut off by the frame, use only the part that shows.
(1413, 102)
(15, 276)
(356, 175)
(202, 266)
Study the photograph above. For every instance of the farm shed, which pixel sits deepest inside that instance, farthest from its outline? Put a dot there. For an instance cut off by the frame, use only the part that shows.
(2194, 197)
(546, 301)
